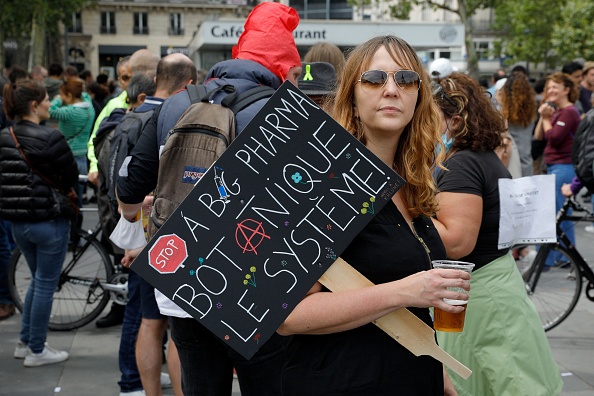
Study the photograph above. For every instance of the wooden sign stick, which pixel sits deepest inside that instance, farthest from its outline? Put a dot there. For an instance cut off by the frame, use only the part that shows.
(402, 325)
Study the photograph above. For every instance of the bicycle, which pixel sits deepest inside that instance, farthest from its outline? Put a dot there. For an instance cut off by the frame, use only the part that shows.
(555, 290)
(88, 281)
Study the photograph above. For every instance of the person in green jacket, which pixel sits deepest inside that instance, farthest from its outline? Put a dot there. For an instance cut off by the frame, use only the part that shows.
(75, 116)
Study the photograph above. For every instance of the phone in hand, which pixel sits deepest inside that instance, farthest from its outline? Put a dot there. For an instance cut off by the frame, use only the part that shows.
(553, 105)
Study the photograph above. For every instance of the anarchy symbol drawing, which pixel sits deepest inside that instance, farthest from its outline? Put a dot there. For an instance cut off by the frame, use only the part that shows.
(249, 234)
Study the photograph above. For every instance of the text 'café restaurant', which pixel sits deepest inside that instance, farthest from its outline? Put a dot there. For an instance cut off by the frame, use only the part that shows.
(214, 39)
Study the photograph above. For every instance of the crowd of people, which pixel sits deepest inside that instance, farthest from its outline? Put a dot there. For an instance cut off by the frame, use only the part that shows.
(449, 136)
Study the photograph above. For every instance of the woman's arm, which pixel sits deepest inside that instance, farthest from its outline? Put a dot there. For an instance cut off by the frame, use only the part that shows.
(544, 122)
(322, 312)
(62, 113)
(458, 222)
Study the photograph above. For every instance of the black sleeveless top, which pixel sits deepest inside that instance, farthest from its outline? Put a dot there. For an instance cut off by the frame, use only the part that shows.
(365, 360)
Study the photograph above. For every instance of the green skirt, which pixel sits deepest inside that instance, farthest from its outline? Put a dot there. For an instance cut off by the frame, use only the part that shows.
(503, 341)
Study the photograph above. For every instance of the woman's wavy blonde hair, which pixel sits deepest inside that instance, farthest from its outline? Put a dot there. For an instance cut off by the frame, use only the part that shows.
(415, 155)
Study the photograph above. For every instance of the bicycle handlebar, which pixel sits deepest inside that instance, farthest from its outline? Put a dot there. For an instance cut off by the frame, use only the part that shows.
(571, 203)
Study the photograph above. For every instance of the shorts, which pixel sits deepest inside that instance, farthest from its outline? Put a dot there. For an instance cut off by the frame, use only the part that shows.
(148, 303)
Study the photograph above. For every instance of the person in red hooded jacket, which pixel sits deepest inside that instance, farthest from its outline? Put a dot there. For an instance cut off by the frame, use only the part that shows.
(265, 54)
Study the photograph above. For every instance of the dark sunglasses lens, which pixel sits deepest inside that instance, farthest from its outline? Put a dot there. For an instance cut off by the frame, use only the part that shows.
(407, 80)
(374, 77)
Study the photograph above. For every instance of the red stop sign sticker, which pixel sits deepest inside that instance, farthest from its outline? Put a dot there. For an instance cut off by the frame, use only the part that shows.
(168, 254)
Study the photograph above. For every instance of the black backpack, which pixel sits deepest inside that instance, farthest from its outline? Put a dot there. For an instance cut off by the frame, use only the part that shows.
(198, 139)
(121, 144)
(582, 151)
(101, 146)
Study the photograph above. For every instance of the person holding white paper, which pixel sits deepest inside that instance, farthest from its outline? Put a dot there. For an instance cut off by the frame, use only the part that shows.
(502, 330)
(384, 100)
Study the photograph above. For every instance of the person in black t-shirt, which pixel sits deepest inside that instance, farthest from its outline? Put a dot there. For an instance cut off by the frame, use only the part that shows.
(385, 102)
(502, 330)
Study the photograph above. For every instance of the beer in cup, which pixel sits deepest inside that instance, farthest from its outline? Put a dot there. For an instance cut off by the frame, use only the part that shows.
(446, 321)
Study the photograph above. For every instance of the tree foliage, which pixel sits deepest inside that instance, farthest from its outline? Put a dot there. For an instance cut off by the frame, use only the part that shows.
(526, 29)
(465, 9)
(16, 16)
(573, 34)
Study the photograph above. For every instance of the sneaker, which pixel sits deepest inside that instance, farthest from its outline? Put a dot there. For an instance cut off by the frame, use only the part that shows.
(133, 393)
(115, 317)
(589, 228)
(49, 355)
(20, 351)
(165, 381)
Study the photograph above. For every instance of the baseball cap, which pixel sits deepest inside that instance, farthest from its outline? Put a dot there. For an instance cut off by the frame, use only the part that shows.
(588, 65)
(441, 67)
(317, 78)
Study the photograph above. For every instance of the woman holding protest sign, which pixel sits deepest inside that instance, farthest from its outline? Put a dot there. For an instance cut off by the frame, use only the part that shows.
(502, 330)
(336, 349)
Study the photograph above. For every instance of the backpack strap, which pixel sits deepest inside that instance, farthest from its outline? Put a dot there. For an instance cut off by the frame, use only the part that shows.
(239, 101)
(196, 92)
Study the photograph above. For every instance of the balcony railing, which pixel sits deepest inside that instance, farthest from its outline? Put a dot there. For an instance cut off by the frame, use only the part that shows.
(176, 31)
(140, 30)
(108, 30)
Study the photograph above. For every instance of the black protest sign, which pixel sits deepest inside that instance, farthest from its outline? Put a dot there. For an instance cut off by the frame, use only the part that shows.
(266, 221)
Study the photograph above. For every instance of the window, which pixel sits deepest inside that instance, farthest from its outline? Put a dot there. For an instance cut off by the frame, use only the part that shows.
(141, 23)
(482, 49)
(108, 22)
(323, 9)
(175, 24)
(76, 21)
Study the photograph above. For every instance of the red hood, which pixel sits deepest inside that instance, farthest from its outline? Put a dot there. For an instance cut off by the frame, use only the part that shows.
(268, 38)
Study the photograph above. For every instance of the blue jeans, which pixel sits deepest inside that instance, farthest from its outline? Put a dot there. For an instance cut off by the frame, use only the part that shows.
(564, 173)
(130, 379)
(44, 246)
(5, 252)
(83, 169)
(207, 364)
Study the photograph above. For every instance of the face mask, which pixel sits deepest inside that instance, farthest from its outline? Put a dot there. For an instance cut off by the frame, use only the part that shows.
(447, 143)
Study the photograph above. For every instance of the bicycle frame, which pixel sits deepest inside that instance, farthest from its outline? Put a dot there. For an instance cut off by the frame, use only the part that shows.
(583, 267)
(551, 288)
(118, 291)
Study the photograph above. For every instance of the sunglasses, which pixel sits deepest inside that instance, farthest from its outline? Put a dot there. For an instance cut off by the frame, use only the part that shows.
(407, 80)
(125, 77)
(437, 92)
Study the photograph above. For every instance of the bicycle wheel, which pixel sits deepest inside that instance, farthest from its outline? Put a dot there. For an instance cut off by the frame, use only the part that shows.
(557, 289)
(79, 298)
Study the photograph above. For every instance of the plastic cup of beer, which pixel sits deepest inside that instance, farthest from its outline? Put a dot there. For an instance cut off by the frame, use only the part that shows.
(446, 321)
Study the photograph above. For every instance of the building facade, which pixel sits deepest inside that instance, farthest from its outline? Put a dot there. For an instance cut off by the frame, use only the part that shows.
(206, 30)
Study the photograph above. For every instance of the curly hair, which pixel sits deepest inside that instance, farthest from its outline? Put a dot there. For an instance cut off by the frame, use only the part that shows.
(415, 155)
(518, 100)
(482, 125)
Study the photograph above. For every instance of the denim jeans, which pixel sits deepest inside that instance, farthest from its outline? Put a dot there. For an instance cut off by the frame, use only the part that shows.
(5, 252)
(83, 169)
(207, 364)
(130, 379)
(44, 246)
(564, 173)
